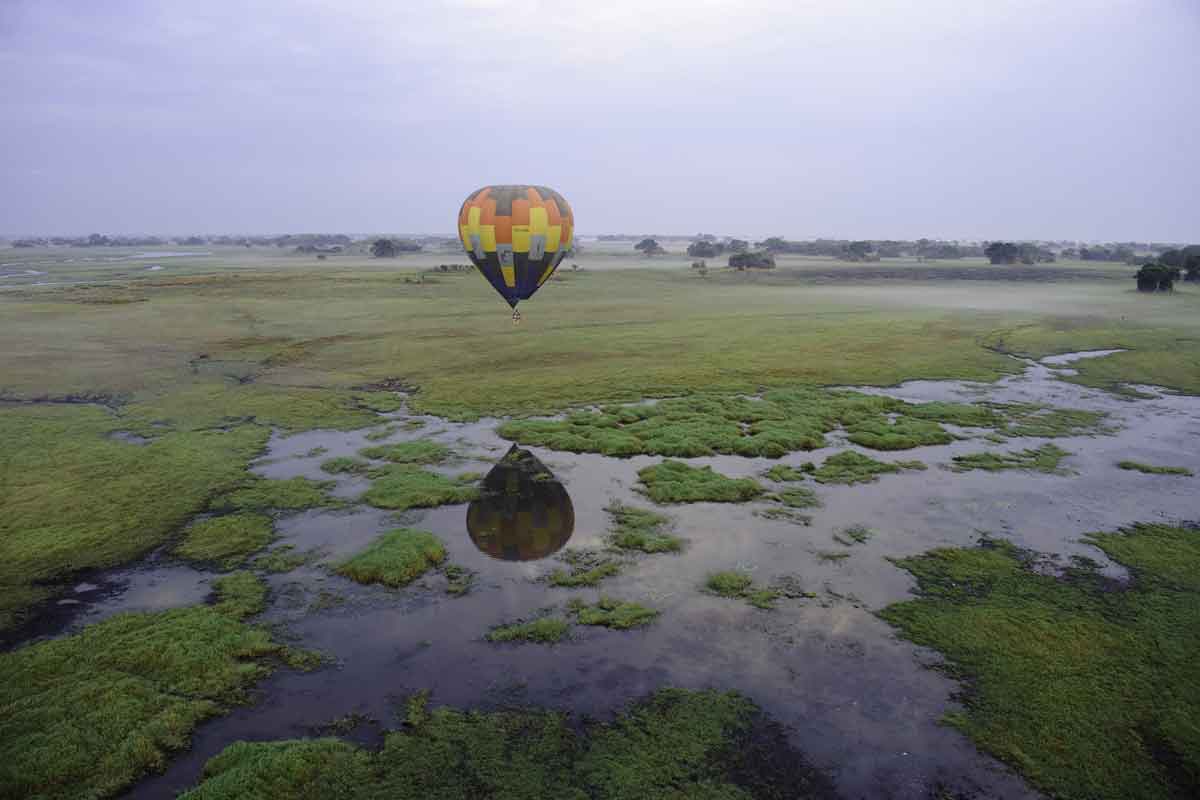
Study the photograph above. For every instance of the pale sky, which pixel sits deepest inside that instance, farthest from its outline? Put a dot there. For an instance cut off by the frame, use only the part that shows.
(1075, 119)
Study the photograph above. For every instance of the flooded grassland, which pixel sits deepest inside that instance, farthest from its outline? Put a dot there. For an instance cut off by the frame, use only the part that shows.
(858, 701)
(378, 563)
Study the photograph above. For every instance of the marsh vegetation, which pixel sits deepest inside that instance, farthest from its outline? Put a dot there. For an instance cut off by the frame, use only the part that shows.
(279, 447)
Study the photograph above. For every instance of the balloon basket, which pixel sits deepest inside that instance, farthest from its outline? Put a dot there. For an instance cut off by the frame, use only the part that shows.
(516, 318)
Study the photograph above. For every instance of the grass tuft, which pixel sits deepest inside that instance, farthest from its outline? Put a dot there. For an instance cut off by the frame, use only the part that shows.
(1040, 459)
(786, 473)
(641, 529)
(418, 451)
(395, 558)
(849, 467)
(459, 580)
(284, 558)
(226, 541)
(584, 568)
(611, 613)
(855, 534)
(345, 465)
(677, 482)
(732, 583)
(785, 515)
(261, 494)
(404, 486)
(1150, 469)
(240, 594)
(544, 630)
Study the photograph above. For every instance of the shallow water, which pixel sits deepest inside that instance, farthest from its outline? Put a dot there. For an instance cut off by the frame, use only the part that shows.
(860, 702)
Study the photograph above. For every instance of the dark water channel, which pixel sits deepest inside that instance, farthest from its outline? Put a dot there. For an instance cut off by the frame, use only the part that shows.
(860, 703)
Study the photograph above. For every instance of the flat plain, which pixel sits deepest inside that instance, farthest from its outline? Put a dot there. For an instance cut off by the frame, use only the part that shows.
(144, 408)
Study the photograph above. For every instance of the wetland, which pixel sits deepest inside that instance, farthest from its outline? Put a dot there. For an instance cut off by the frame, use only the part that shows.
(289, 542)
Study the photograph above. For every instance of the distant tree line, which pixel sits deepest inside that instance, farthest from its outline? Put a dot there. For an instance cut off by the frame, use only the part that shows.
(1012, 252)
(649, 247)
(390, 248)
(871, 249)
(711, 247)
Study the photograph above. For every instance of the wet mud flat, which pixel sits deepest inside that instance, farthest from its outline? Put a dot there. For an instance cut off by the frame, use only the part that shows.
(859, 702)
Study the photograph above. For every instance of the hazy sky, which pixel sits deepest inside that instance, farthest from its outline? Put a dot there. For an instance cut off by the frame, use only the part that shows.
(848, 118)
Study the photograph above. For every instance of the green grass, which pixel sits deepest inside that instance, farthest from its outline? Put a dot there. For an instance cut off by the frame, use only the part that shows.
(780, 422)
(1150, 469)
(75, 499)
(418, 451)
(786, 473)
(306, 769)
(261, 494)
(257, 342)
(584, 568)
(850, 467)
(396, 558)
(459, 580)
(677, 482)
(1159, 336)
(739, 584)
(226, 541)
(784, 514)
(348, 465)
(1030, 420)
(382, 433)
(402, 486)
(641, 529)
(901, 433)
(700, 745)
(325, 600)
(832, 558)
(1090, 690)
(611, 613)
(797, 497)
(88, 714)
(544, 630)
(854, 534)
(731, 583)
(240, 594)
(284, 558)
(1039, 459)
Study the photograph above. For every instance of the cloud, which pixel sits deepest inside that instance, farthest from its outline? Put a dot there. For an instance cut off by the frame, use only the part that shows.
(856, 118)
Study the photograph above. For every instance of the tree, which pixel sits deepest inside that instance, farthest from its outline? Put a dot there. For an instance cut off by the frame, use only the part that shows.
(1002, 252)
(1154, 276)
(705, 248)
(858, 251)
(755, 260)
(384, 248)
(649, 247)
(1186, 259)
(737, 245)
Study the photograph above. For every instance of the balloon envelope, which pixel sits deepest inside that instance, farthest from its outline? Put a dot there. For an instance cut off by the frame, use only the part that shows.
(516, 236)
(522, 513)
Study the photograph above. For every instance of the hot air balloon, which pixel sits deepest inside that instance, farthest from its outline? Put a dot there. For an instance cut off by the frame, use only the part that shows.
(522, 512)
(515, 236)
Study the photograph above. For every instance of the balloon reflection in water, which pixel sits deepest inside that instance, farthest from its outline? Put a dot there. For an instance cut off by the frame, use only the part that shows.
(522, 513)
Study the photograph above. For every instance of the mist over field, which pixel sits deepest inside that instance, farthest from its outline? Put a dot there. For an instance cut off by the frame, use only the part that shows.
(1022, 119)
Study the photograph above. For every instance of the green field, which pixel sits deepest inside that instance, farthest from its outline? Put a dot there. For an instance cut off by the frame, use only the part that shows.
(205, 358)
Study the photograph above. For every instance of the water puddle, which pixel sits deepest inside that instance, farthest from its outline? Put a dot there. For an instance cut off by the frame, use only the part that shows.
(859, 701)
(1070, 358)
